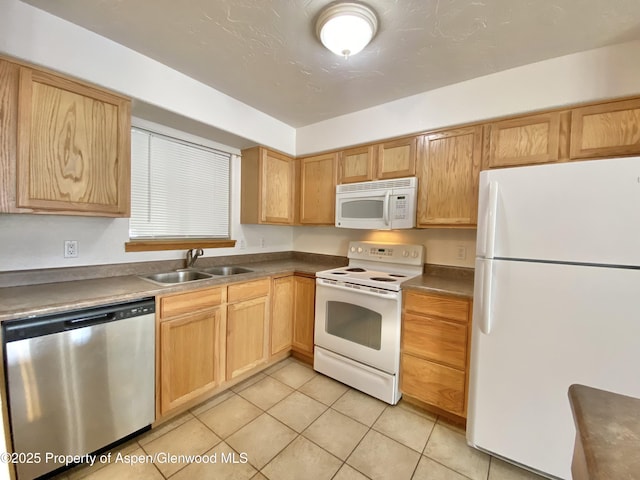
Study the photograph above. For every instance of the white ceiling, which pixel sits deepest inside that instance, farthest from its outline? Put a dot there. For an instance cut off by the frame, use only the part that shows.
(265, 54)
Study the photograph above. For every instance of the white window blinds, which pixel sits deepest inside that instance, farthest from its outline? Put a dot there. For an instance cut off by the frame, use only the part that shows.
(178, 189)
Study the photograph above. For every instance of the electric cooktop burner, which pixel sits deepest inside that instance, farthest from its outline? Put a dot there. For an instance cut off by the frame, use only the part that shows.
(379, 266)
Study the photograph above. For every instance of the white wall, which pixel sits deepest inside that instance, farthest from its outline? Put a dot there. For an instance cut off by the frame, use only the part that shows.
(37, 241)
(38, 37)
(582, 77)
(441, 244)
(33, 241)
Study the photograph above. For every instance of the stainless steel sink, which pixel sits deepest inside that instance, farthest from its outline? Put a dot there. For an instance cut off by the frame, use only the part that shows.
(179, 276)
(226, 270)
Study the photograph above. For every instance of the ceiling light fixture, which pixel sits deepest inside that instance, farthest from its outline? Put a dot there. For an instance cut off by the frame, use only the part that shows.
(346, 28)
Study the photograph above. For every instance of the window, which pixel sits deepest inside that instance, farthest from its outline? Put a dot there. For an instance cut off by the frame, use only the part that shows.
(178, 189)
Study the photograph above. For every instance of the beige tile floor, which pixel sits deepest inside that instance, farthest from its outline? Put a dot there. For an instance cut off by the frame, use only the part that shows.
(290, 422)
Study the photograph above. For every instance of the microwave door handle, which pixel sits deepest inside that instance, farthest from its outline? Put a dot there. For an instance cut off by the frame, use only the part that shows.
(385, 207)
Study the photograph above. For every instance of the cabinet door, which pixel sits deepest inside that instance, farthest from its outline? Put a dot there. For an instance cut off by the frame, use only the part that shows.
(606, 130)
(524, 141)
(9, 75)
(247, 335)
(448, 178)
(73, 147)
(282, 303)
(356, 164)
(304, 313)
(277, 184)
(188, 357)
(397, 158)
(318, 189)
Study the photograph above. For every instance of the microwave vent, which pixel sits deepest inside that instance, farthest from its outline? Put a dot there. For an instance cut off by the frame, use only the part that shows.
(409, 182)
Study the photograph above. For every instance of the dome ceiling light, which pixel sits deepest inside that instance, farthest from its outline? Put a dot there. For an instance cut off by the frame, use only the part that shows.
(346, 28)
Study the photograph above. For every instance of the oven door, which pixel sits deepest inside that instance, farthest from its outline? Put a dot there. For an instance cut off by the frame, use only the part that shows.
(359, 324)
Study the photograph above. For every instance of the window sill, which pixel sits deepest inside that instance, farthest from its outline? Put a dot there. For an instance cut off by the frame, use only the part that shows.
(176, 244)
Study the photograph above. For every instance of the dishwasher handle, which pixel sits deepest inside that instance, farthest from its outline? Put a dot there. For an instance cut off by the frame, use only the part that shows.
(91, 320)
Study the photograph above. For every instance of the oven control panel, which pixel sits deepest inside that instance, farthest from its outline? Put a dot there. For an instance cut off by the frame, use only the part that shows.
(387, 252)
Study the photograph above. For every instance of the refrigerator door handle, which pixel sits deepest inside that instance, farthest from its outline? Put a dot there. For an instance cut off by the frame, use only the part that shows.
(487, 296)
(492, 210)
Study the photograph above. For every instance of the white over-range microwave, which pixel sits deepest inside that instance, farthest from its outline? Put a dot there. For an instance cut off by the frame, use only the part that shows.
(377, 205)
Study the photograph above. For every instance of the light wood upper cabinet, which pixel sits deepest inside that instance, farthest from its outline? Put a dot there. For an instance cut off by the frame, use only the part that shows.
(435, 350)
(392, 159)
(268, 187)
(526, 141)
(304, 315)
(190, 347)
(247, 343)
(357, 164)
(606, 130)
(318, 189)
(72, 145)
(282, 301)
(448, 178)
(397, 158)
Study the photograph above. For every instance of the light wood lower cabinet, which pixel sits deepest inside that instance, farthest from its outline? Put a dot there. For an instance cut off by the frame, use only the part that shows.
(190, 361)
(304, 315)
(292, 315)
(435, 350)
(247, 327)
(282, 301)
(210, 337)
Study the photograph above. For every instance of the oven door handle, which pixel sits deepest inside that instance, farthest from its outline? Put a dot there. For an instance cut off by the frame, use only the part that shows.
(383, 294)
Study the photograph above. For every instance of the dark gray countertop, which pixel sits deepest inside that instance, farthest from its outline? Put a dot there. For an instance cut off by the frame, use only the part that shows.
(608, 425)
(40, 299)
(30, 300)
(443, 280)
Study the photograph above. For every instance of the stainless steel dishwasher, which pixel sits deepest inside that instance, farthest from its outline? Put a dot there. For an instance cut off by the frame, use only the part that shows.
(79, 381)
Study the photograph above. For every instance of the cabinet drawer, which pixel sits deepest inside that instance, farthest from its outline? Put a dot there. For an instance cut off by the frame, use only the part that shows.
(244, 291)
(439, 306)
(433, 339)
(434, 384)
(189, 302)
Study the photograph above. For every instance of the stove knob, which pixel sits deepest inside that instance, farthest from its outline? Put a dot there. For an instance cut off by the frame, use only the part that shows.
(359, 249)
(353, 249)
(415, 254)
(405, 253)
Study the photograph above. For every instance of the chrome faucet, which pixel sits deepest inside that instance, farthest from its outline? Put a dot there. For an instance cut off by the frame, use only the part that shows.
(192, 256)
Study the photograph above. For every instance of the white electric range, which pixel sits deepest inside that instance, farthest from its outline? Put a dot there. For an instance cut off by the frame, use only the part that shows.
(358, 315)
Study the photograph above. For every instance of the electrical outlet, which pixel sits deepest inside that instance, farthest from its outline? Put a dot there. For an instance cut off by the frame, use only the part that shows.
(242, 244)
(461, 252)
(262, 242)
(70, 248)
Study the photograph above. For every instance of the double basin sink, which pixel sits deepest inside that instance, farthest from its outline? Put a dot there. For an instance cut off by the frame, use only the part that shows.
(191, 275)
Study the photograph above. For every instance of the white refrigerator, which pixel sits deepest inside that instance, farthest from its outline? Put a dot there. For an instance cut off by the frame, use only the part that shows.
(556, 302)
